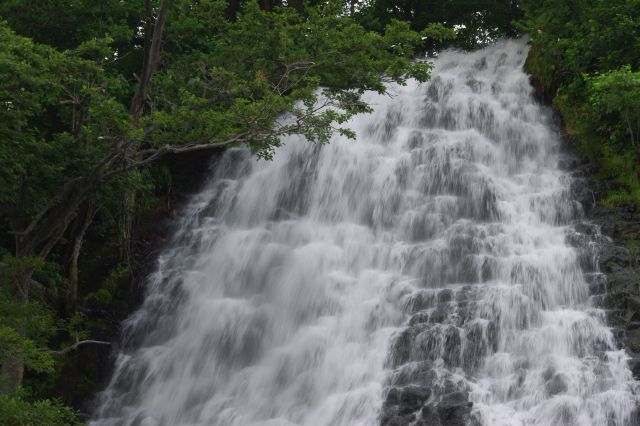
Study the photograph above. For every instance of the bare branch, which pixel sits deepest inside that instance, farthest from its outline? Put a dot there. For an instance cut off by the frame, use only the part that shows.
(305, 66)
(151, 155)
(74, 346)
(50, 205)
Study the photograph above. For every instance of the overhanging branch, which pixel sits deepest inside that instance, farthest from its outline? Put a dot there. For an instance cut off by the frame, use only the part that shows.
(74, 346)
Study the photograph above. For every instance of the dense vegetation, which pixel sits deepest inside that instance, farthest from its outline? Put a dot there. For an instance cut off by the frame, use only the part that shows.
(99, 99)
(477, 22)
(95, 95)
(585, 58)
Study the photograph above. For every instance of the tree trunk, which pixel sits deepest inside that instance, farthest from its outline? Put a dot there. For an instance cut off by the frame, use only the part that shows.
(84, 219)
(298, 5)
(48, 226)
(12, 369)
(128, 208)
(231, 12)
(11, 374)
(151, 60)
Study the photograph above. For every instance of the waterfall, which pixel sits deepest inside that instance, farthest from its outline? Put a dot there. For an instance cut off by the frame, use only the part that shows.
(435, 271)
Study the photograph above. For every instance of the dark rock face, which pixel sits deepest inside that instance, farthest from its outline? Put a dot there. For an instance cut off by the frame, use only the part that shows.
(616, 284)
(418, 393)
(89, 368)
(556, 385)
(402, 404)
(417, 405)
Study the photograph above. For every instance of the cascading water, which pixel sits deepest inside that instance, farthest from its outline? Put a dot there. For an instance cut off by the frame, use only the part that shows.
(429, 273)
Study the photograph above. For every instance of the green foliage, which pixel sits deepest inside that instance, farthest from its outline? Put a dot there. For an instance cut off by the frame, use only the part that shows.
(15, 345)
(109, 286)
(72, 142)
(55, 107)
(477, 22)
(66, 111)
(585, 55)
(78, 22)
(25, 325)
(575, 37)
(250, 72)
(613, 101)
(16, 411)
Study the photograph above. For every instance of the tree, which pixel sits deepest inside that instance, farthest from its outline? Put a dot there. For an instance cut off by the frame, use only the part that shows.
(477, 22)
(76, 130)
(613, 102)
(584, 57)
(18, 412)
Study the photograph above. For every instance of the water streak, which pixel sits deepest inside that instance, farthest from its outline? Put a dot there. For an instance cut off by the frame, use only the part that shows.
(428, 273)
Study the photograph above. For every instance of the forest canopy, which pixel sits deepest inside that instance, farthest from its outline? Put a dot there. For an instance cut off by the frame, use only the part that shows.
(95, 95)
(99, 98)
(585, 58)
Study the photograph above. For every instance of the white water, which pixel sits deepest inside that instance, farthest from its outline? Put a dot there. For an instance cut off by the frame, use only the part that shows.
(289, 285)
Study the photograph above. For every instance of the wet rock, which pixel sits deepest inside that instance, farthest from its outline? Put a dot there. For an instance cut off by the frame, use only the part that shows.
(419, 318)
(388, 419)
(393, 397)
(445, 296)
(419, 373)
(597, 283)
(402, 345)
(416, 139)
(430, 416)
(587, 228)
(438, 315)
(634, 365)
(614, 259)
(475, 85)
(556, 385)
(413, 397)
(454, 409)
(616, 232)
(633, 339)
(421, 301)
(481, 338)
(401, 404)
(442, 341)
